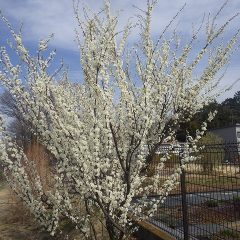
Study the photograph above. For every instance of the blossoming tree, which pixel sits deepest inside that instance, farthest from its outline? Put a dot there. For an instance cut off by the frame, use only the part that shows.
(104, 131)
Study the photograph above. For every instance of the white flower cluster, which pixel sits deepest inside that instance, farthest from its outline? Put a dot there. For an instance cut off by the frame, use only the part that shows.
(104, 132)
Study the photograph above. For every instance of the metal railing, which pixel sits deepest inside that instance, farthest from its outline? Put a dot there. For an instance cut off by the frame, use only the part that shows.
(206, 204)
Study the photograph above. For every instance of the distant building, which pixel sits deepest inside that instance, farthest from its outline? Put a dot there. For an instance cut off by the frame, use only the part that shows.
(231, 142)
(228, 134)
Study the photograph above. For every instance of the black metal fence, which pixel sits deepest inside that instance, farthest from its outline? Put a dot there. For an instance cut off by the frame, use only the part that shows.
(206, 204)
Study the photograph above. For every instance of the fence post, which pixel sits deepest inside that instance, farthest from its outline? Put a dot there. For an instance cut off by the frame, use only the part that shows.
(184, 201)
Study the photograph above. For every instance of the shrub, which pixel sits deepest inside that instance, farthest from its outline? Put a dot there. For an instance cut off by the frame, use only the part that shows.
(212, 154)
(211, 203)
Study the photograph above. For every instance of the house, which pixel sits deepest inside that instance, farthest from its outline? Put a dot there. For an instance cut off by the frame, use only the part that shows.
(228, 134)
(231, 139)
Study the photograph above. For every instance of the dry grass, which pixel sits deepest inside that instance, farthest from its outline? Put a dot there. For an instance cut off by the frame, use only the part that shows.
(20, 218)
(38, 154)
(228, 169)
(16, 221)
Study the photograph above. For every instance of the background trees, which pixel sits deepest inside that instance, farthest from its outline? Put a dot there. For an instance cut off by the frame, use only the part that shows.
(228, 114)
(17, 125)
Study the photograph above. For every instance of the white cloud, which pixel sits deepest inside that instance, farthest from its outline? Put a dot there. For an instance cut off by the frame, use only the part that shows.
(43, 17)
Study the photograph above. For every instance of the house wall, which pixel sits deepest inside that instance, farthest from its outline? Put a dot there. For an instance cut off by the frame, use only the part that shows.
(238, 133)
(228, 134)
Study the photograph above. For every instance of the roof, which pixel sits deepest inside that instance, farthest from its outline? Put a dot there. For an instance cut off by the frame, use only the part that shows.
(232, 126)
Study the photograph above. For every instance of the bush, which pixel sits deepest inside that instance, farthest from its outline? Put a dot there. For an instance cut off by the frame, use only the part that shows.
(211, 156)
(236, 203)
(211, 203)
(230, 234)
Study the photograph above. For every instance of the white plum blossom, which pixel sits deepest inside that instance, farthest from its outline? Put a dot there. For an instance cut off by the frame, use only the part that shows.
(104, 132)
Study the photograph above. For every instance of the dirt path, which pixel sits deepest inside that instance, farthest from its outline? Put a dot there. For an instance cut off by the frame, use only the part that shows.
(16, 224)
(13, 224)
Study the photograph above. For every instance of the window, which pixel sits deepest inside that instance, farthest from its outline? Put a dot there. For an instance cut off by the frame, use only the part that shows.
(238, 134)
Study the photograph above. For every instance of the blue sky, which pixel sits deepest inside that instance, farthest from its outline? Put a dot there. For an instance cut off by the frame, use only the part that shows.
(40, 18)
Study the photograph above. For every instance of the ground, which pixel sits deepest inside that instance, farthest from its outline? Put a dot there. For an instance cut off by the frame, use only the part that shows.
(17, 224)
(14, 224)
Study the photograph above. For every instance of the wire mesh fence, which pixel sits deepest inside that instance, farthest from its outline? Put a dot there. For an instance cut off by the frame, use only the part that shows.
(206, 204)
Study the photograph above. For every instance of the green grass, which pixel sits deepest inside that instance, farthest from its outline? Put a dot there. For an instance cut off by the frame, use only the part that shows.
(229, 234)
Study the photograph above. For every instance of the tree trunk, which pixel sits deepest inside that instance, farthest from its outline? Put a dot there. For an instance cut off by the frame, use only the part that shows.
(114, 234)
